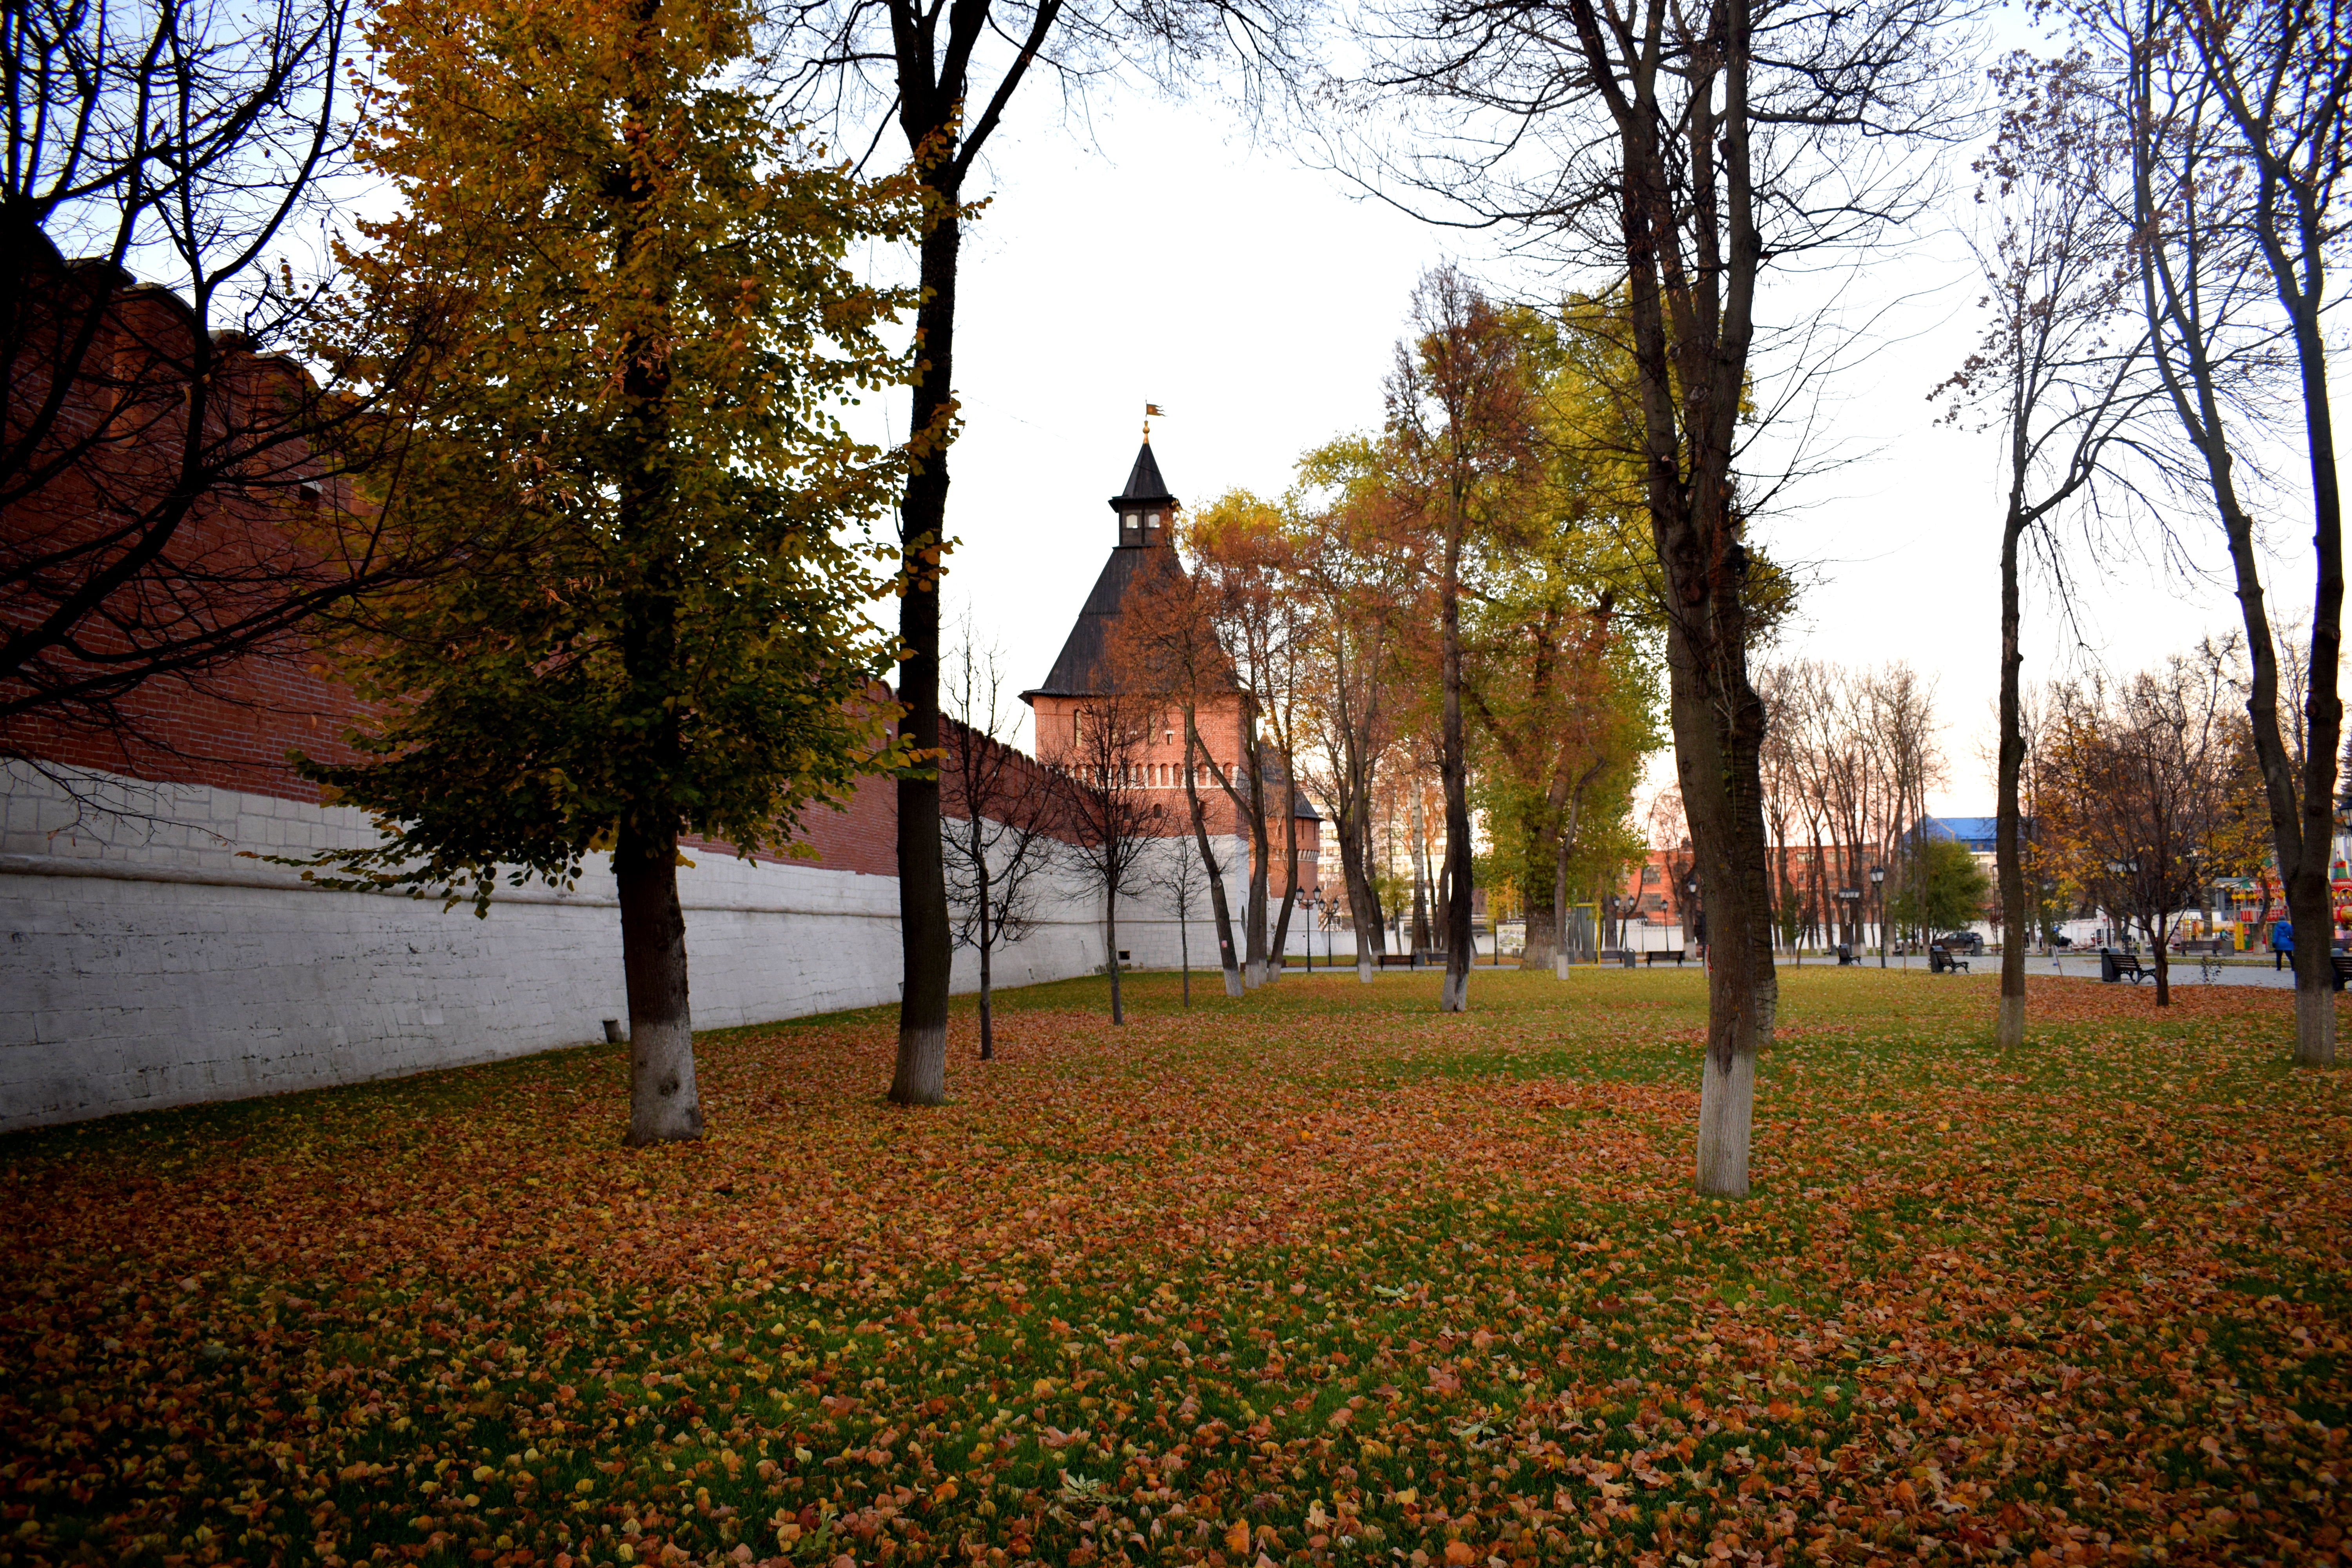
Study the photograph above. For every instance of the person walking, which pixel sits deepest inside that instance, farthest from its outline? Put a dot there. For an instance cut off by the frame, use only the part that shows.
(2281, 943)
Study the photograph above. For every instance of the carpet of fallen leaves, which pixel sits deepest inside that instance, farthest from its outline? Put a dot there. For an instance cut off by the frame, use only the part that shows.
(1321, 1276)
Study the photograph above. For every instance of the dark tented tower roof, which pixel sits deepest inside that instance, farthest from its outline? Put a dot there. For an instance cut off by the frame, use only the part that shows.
(1080, 671)
(1144, 485)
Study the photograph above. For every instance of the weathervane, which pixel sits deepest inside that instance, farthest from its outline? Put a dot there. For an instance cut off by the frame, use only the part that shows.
(1152, 411)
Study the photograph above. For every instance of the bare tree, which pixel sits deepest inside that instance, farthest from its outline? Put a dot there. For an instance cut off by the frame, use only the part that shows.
(946, 76)
(175, 493)
(1180, 875)
(2236, 121)
(1103, 802)
(994, 827)
(2150, 790)
(2050, 375)
(1896, 704)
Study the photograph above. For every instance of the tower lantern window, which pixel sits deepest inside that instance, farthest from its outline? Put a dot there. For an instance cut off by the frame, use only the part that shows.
(1154, 519)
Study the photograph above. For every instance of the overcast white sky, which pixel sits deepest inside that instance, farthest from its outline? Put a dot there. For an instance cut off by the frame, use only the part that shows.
(1258, 300)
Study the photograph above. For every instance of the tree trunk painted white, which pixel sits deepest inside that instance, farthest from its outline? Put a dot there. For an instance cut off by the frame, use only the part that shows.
(1726, 1102)
(2011, 1021)
(663, 1104)
(1453, 994)
(1363, 962)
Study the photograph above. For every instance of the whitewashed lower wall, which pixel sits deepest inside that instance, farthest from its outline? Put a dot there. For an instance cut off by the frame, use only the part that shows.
(145, 963)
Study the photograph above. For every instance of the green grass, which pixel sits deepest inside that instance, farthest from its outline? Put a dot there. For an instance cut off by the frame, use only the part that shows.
(1319, 1274)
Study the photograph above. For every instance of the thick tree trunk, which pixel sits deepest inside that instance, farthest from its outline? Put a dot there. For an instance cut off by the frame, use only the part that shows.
(2302, 823)
(663, 1104)
(1717, 768)
(1727, 1101)
(2302, 863)
(1355, 864)
(2314, 1036)
(1363, 909)
(1719, 726)
(1543, 944)
(923, 932)
(2009, 824)
(2301, 285)
(1691, 371)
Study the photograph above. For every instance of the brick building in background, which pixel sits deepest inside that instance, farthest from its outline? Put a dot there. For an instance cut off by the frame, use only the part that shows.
(1142, 546)
(155, 956)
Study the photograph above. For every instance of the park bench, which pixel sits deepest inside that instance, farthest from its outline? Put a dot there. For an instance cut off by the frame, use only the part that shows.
(1941, 961)
(1400, 961)
(2114, 966)
(1660, 954)
(1846, 955)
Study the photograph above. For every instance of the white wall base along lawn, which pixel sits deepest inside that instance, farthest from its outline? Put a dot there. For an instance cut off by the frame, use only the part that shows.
(147, 964)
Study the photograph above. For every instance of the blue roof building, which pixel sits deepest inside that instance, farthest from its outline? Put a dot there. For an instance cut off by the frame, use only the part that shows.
(1976, 832)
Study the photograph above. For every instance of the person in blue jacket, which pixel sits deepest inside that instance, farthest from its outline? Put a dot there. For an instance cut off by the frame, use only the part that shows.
(2281, 943)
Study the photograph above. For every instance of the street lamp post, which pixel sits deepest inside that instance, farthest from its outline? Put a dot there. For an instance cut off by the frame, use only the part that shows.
(1314, 902)
(1878, 883)
(1694, 930)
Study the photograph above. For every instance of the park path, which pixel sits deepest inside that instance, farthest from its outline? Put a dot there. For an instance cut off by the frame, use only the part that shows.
(2086, 966)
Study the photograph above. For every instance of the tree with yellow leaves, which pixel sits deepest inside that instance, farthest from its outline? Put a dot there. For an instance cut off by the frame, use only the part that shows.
(645, 329)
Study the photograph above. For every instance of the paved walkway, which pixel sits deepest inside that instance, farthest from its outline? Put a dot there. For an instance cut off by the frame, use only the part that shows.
(2085, 965)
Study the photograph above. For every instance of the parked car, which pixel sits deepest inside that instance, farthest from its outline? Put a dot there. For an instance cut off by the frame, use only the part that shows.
(1962, 942)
